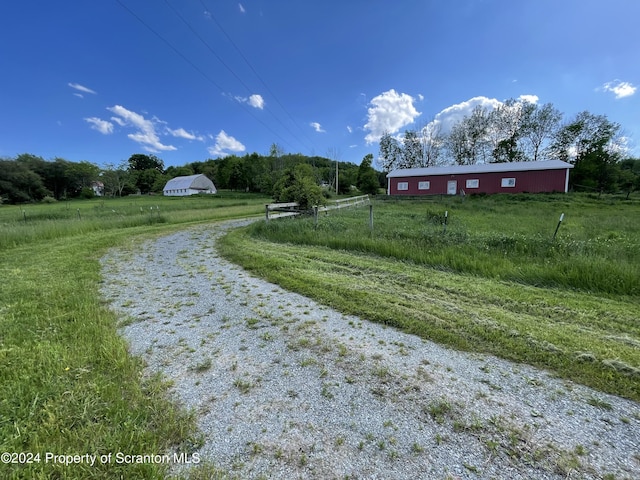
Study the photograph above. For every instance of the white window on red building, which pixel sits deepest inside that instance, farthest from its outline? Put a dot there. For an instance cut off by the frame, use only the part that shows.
(426, 185)
(508, 182)
(403, 185)
(473, 183)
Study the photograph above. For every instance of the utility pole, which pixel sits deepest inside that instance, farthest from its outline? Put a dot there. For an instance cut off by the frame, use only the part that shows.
(334, 154)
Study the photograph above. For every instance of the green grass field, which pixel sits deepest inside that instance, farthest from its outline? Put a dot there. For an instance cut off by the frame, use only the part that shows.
(495, 281)
(68, 385)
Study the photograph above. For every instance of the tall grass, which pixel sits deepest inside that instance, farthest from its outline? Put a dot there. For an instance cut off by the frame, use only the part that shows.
(597, 248)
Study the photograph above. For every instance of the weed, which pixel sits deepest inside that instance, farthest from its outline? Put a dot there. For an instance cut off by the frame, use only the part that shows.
(416, 448)
(203, 366)
(326, 392)
(243, 385)
(252, 323)
(596, 402)
(471, 468)
(439, 410)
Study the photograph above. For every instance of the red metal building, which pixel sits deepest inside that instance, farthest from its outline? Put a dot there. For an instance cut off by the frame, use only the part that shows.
(516, 177)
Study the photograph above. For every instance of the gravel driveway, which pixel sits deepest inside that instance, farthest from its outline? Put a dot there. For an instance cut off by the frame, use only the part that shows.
(286, 388)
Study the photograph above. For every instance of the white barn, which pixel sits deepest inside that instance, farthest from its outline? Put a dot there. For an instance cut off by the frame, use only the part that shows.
(189, 185)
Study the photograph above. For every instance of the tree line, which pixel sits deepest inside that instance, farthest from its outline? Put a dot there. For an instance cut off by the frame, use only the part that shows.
(518, 131)
(29, 178)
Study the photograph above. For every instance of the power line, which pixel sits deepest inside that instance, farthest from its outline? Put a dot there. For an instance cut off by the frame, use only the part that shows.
(253, 69)
(195, 67)
(210, 48)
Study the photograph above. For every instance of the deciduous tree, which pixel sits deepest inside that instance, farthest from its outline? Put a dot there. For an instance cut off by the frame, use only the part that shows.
(593, 145)
(139, 162)
(390, 152)
(539, 126)
(367, 179)
(411, 151)
(298, 185)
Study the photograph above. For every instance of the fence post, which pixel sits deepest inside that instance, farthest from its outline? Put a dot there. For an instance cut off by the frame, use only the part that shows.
(444, 225)
(371, 217)
(79, 215)
(558, 227)
(315, 215)
(266, 212)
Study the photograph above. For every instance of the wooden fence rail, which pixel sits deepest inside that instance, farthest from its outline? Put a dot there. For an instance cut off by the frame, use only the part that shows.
(293, 208)
(346, 202)
(283, 209)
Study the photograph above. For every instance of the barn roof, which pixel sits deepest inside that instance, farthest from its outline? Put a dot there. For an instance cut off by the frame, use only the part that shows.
(199, 182)
(481, 168)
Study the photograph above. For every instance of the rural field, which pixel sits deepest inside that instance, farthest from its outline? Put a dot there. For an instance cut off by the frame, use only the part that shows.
(495, 280)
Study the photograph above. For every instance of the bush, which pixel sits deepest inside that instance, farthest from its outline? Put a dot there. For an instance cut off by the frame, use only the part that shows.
(87, 192)
(48, 199)
(298, 185)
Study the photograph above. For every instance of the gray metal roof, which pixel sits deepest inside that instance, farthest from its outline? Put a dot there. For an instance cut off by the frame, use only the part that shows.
(197, 182)
(480, 168)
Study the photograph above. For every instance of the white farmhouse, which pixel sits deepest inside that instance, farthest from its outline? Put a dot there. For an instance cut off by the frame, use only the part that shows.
(189, 185)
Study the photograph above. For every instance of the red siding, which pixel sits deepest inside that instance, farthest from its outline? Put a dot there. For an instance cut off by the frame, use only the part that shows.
(532, 181)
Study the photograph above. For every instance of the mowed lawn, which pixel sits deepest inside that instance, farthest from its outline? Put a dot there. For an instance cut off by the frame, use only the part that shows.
(68, 385)
(493, 280)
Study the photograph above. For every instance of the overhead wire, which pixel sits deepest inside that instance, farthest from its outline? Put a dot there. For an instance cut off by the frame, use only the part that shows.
(264, 84)
(198, 69)
(211, 49)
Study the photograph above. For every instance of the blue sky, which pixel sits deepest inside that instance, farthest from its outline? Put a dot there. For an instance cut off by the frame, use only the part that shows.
(189, 80)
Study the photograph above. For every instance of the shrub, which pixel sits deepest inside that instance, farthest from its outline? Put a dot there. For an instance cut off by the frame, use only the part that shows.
(87, 192)
(298, 185)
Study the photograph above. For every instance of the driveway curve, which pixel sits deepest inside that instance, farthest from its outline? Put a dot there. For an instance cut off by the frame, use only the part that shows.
(286, 388)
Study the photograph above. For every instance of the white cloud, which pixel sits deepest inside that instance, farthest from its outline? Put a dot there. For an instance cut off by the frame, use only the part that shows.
(455, 113)
(389, 112)
(619, 88)
(255, 100)
(242, 9)
(529, 98)
(119, 121)
(349, 129)
(317, 127)
(224, 144)
(182, 133)
(103, 126)
(81, 88)
(146, 134)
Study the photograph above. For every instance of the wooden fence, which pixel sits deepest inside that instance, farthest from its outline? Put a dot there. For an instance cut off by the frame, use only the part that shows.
(278, 210)
(281, 209)
(346, 202)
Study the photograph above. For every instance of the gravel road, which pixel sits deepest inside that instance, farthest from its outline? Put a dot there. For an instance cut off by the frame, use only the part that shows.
(286, 388)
